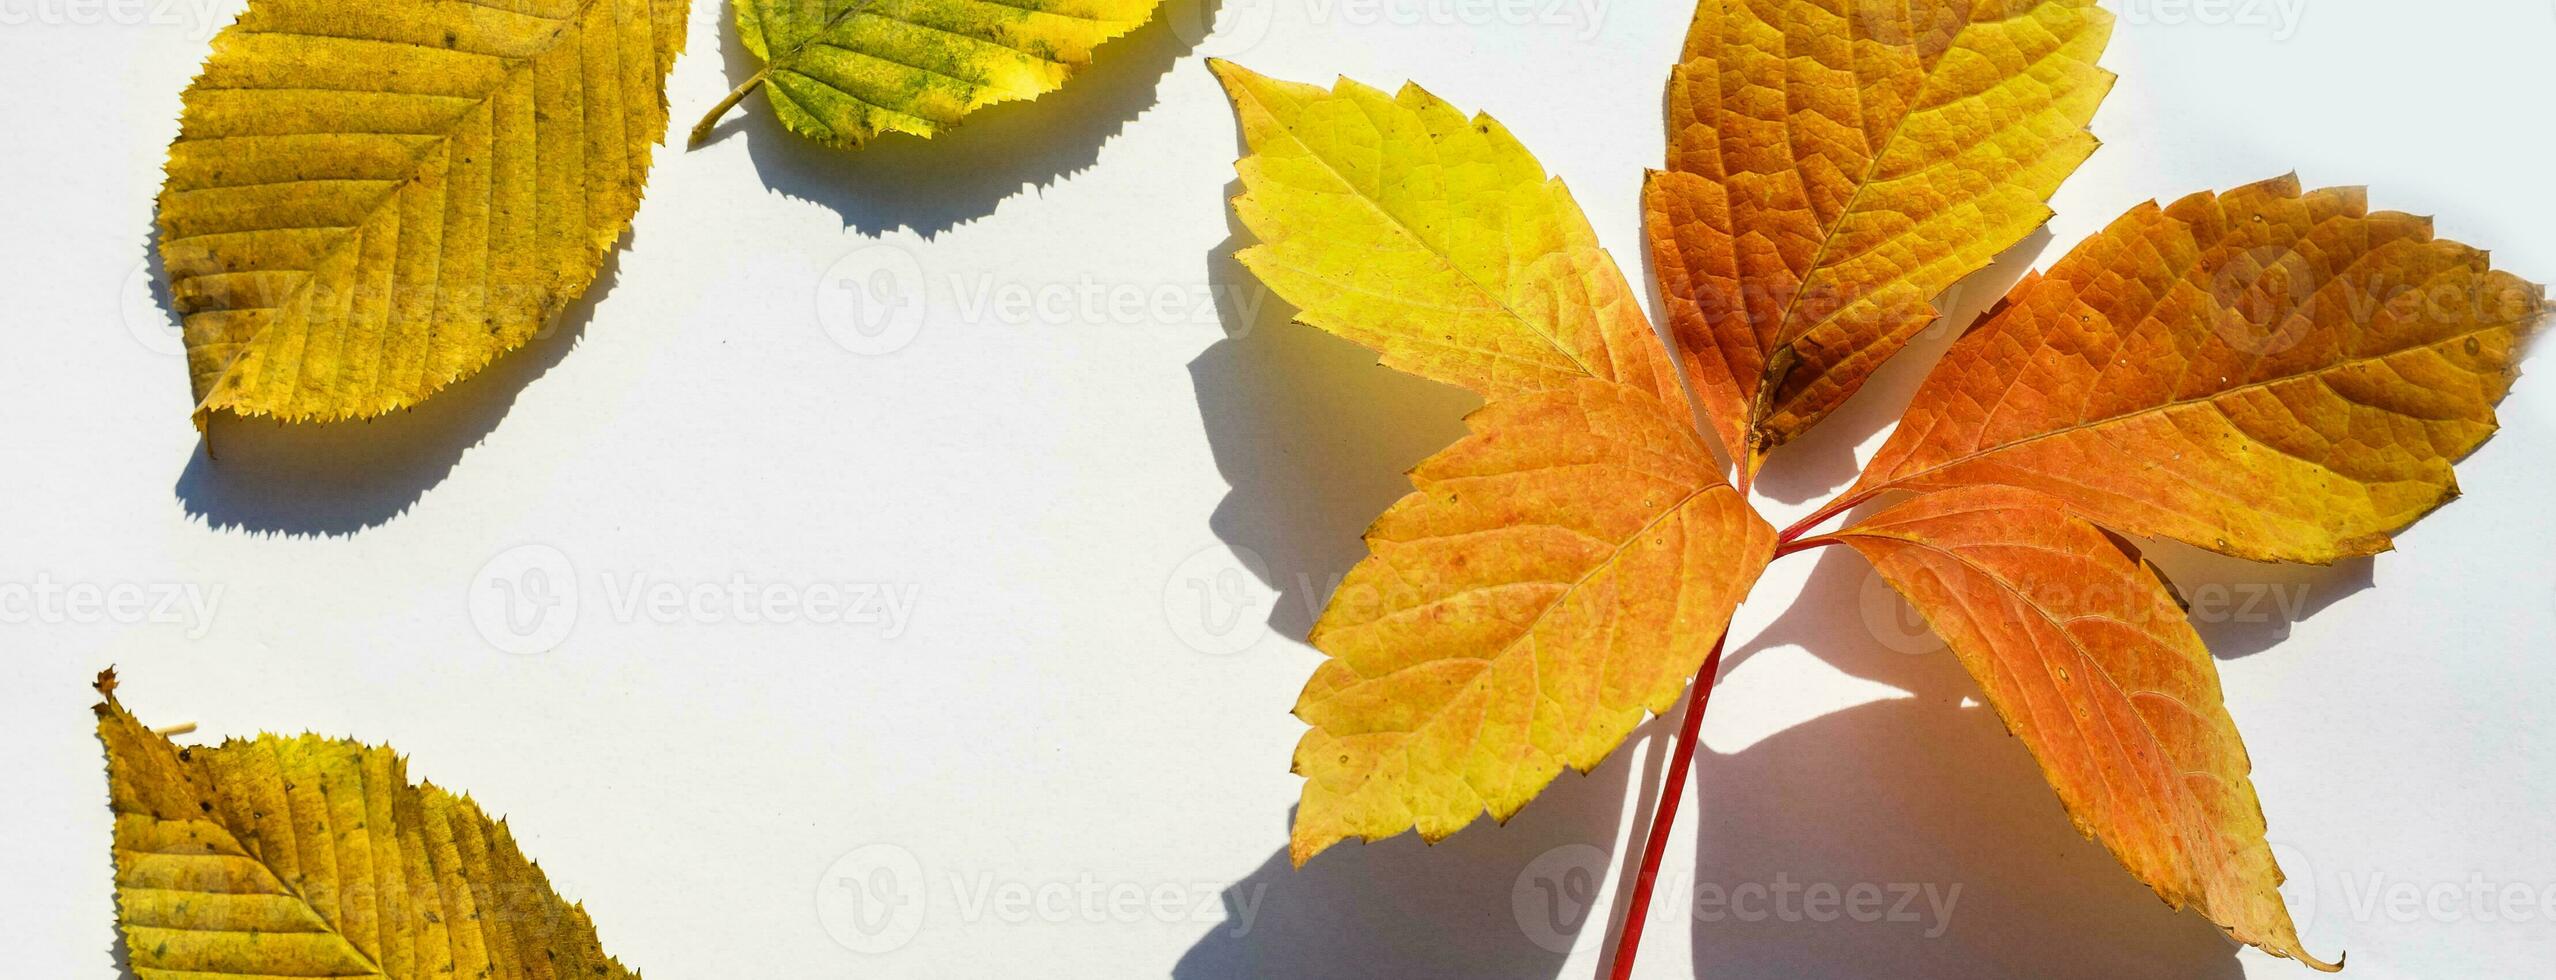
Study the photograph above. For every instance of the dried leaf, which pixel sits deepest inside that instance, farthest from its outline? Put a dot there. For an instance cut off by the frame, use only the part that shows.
(1833, 166)
(843, 71)
(314, 857)
(2085, 653)
(369, 202)
(2269, 374)
(1438, 241)
(1559, 572)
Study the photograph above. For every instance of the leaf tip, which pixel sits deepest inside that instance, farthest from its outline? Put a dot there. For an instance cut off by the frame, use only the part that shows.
(1302, 847)
(2318, 965)
(1233, 75)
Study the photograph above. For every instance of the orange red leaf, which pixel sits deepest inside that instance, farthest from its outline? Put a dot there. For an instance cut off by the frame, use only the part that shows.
(1834, 165)
(2086, 654)
(2267, 373)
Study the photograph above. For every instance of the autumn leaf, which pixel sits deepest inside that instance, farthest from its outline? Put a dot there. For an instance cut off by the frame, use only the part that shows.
(1555, 575)
(2086, 653)
(2270, 373)
(1559, 572)
(315, 857)
(1834, 166)
(366, 203)
(2266, 373)
(1396, 222)
(843, 71)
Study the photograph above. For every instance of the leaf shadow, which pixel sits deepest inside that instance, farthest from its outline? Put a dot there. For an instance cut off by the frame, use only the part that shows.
(937, 184)
(1940, 794)
(1402, 908)
(2242, 608)
(1900, 795)
(1905, 793)
(1822, 461)
(1926, 802)
(338, 478)
(1312, 435)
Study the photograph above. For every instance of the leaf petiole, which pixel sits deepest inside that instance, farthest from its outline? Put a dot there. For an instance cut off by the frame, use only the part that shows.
(701, 131)
(1819, 517)
(1805, 544)
(1672, 791)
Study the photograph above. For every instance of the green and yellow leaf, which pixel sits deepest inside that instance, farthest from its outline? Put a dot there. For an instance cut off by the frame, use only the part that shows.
(1554, 576)
(843, 71)
(369, 202)
(1833, 165)
(312, 857)
(1437, 240)
(2267, 373)
(2086, 653)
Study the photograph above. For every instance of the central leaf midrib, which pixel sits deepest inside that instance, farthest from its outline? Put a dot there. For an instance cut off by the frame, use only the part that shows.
(2313, 374)
(436, 142)
(787, 59)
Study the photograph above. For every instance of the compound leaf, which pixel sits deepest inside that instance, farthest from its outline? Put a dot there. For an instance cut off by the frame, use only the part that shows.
(2267, 373)
(843, 71)
(1557, 573)
(368, 202)
(1834, 165)
(315, 857)
(1437, 240)
(2085, 652)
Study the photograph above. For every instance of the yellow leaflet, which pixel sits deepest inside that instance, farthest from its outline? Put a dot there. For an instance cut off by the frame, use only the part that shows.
(1437, 240)
(368, 202)
(314, 857)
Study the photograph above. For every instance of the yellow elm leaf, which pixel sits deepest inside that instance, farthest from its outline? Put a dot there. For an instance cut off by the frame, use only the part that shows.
(2271, 374)
(367, 202)
(2086, 654)
(314, 857)
(1834, 165)
(1554, 575)
(843, 71)
(1437, 240)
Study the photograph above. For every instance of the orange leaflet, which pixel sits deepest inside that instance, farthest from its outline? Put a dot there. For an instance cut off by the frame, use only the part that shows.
(2086, 654)
(1558, 573)
(1834, 166)
(2269, 374)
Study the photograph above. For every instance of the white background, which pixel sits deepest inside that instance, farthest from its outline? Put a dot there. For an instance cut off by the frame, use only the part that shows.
(1091, 690)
